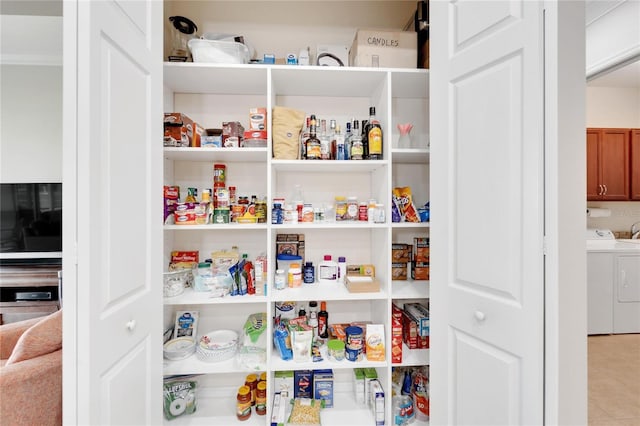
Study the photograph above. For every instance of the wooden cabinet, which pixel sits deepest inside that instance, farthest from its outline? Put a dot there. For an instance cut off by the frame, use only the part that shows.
(27, 280)
(635, 164)
(608, 164)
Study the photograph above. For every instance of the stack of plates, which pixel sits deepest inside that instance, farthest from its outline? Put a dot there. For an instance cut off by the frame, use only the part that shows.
(216, 346)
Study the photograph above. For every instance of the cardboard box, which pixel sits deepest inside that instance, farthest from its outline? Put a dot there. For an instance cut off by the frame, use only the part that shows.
(399, 271)
(303, 384)
(420, 250)
(420, 271)
(420, 313)
(181, 131)
(396, 334)
(258, 119)
(400, 253)
(323, 386)
(232, 133)
(358, 385)
(366, 270)
(409, 331)
(377, 402)
(394, 49)
(284, 383)
(362, 284)
(290, 244)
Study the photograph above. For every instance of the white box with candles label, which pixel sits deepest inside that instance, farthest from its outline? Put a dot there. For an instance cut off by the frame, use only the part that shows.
(394, 49)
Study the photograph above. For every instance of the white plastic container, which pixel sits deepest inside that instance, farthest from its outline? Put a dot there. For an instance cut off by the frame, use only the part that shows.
(342, 269)
(327, 270)
(218, 52)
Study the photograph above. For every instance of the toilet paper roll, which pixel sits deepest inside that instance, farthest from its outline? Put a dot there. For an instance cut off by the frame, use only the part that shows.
(597, 212)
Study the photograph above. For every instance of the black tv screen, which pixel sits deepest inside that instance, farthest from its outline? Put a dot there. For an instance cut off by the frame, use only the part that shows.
(30, 218)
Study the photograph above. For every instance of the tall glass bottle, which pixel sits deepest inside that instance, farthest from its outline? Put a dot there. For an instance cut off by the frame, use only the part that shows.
(304, 136)
(374, 136)
(332, 138)
(365, 140)
(325, 142)
(340, 145)
(347, 141)
(313, 143)
(357, 150)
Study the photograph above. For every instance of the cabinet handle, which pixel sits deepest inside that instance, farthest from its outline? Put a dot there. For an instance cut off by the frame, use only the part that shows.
(601, 189)
(480, 316)
(605, 189)
(131, 325)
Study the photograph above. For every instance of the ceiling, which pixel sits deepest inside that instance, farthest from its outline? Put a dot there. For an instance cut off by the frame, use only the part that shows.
(626, 76)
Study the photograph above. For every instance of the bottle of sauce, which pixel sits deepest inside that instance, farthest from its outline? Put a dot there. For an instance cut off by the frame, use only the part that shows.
(323, 321)
(261, 398)
(252, 382)
(243, 404)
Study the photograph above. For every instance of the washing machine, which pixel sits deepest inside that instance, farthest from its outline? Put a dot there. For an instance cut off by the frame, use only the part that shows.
(613, 283)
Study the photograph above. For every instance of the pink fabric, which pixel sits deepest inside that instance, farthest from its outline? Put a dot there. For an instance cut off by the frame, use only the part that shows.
(11, 333)
(31, 388)
(42, 338)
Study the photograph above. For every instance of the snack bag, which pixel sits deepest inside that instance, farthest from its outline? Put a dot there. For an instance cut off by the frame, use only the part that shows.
(405, 202)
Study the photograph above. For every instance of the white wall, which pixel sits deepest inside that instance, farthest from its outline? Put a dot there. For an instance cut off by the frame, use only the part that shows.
(31, 123)
(614, 107)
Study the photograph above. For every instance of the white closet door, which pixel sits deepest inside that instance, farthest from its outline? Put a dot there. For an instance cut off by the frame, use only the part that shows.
(487, 212)
(112, 253)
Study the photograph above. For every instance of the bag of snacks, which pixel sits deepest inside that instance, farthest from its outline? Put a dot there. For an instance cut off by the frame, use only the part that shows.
(179, 396)
(403, 198)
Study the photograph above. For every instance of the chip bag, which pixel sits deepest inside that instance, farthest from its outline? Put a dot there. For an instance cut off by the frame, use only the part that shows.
(402, 196)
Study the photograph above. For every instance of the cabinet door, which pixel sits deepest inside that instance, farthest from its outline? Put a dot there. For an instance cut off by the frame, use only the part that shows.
(111, 254)
(635, 164)
(599, 293)
(594, 190)
(487, 300)
(626, 308)
(614, 164)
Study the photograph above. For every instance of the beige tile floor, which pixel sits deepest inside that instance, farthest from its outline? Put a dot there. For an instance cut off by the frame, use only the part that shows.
(614, 380)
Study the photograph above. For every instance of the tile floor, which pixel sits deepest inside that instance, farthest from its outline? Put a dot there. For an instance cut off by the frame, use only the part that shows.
(614, 380)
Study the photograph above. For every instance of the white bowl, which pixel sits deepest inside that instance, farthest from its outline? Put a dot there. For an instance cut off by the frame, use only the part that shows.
(217, 346)
(179, 348)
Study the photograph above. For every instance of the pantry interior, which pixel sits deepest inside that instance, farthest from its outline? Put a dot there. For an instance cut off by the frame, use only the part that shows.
(211, 95)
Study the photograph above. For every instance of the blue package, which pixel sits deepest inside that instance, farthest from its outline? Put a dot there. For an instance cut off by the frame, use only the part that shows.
(281, 340)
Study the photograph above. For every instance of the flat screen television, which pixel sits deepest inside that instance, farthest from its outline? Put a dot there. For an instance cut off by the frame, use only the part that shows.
(30, 221)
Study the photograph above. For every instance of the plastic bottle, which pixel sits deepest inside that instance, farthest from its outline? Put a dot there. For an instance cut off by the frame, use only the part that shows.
(313, 317)
(342, 269)
(327, 270)
(261, 398)
(309, 273)
(323, 321)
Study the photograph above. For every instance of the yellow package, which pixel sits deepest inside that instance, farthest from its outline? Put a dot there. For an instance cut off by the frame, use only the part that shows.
(404, 200)
(375, 342)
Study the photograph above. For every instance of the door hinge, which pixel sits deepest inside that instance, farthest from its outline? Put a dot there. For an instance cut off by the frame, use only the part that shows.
(544, 246)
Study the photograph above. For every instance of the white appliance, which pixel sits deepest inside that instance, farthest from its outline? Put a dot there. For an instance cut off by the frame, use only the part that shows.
(613, 283)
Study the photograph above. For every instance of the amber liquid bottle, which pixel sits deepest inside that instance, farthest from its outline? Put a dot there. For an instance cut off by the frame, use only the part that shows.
(374, 136)
(313, 143)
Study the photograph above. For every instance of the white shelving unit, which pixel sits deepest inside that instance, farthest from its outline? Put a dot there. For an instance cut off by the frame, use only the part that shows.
(210, 94)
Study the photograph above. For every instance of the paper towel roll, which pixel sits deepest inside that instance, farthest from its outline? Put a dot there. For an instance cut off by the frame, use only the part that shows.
(597, 212)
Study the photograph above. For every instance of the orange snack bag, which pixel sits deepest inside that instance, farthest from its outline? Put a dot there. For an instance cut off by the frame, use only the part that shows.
(404, 200)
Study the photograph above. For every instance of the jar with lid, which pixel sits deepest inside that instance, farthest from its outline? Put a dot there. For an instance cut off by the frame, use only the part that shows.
(243, 404)
(341, 208)
(309, 273)
(307, 212)
(261, 210)
(290, 215)
(295, 275)
(379, 215)
(352, 208)
(261, 398)
(252, 382)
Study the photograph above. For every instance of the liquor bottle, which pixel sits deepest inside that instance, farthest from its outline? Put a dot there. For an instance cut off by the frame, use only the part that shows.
(356, 142)
(340, 145)
(365, 141)
(332, 138)
(347, 141)
(374, 136)
(325, 143)
(304, 136)
(313, 143)
(323, 321)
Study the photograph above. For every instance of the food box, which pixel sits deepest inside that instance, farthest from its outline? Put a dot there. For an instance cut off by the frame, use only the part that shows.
(420, 250)
(181, 131)
(409, 331)
(399, 271)
(419, 271)
(171, 199)
(258, 120)
(367, 270)
(400, 253)
(279, 409)
(290, 244)
(358, 385)
(323, 386)
(421, 315)
(212, 138)
(394, 49)
(283, 382)
(370, 374)
(303, 384)
(396, 334)
(377, 402)
(232, 133)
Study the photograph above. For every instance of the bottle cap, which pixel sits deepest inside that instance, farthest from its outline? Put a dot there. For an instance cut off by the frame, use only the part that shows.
(323, 306)
(313, 304)
(372, 110)
(342, 259)
(327, 257)
(308, 264)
